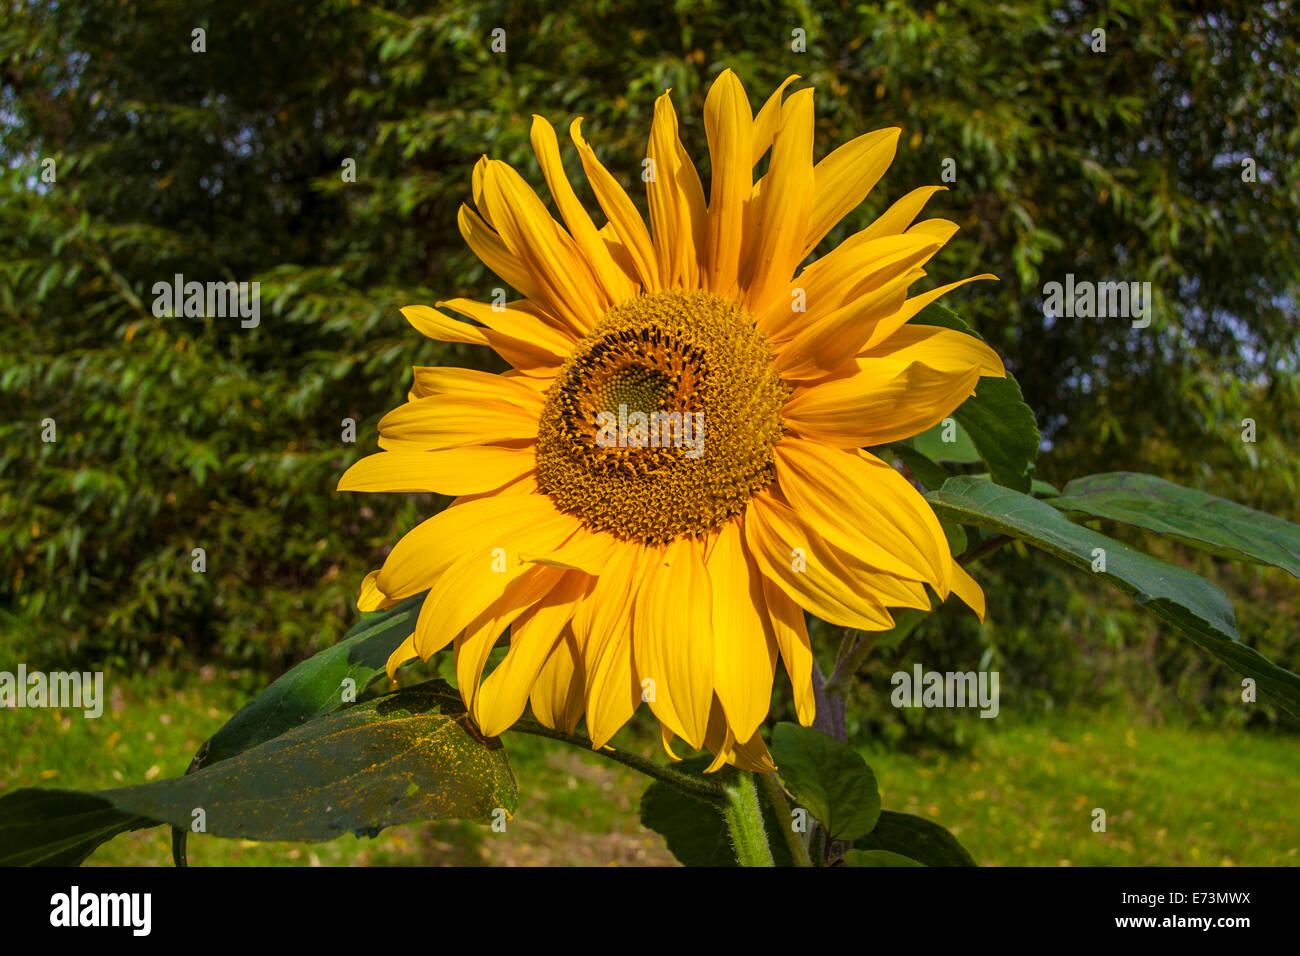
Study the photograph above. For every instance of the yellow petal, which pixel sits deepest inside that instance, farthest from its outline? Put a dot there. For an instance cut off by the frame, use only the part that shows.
(623, 217)
(676, 199)
(453, 471)
(729, 127)
(444, 421)
(820, 349)
(745, 656)
(519, 352)
(939, 229)
(768, 121)
(826, 283)
(789, 552)
(968, 589)
(370, 597)
(896, 218)
(428, 550)
(487, 570)
(945, 350)
(615, 285)
(784, 206)
(866, 508)
(566, 287)
(789, 631)
(503, 695)
(885, 401)
(492, 250)
(480, 633)
(587, 551)
(843, 179)
(465, 382)
(520, 321)
(883, 328)
(558, 694)
(604, 626)
(405, 652)
(671, 640)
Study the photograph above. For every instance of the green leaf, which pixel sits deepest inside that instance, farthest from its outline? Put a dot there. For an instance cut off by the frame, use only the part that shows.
(960, 450)
(412, 755)
(58, 827)
(1201, 520)
(998, 422)
(695, 831)
(316, 686)
(923, 469)
(878, 858)
(1199, 610)
(1003, 428)
(828, 778)
(916, 838)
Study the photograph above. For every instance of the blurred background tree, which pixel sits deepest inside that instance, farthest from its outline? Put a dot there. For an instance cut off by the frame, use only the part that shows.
(229, 165)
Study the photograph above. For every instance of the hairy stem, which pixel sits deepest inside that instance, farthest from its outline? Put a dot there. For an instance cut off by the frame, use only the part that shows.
(776, 796)
(744, 818)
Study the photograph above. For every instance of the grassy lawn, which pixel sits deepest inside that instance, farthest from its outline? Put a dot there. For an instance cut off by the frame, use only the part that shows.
(1023, 795)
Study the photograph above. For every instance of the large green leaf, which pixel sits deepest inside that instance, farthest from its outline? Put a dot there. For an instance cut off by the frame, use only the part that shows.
(1202, 520)
(317, 685)
(58, 827)
(996, 419)
(916, 838)
(828, 778)
(961, 450)
(1199, 610)
(412, 755)
(1003, 428)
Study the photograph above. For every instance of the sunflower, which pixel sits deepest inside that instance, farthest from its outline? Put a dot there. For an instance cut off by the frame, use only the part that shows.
(674, 468)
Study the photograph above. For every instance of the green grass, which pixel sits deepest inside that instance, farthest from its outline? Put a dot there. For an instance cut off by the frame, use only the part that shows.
(1022, 795)
(1025, 795)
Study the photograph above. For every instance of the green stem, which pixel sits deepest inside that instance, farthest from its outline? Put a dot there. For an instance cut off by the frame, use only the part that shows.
(694, 786)
(776, 796)
(846, 667)
(982, 550)
(745, 821)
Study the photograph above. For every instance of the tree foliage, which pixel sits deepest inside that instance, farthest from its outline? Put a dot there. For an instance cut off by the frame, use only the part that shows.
(228, 165)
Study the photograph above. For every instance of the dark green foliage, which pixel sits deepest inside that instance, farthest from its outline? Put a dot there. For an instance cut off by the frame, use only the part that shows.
(175, 434)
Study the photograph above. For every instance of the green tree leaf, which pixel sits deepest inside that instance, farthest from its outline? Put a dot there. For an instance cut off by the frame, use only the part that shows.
(1201, 520)
(916, 838)
(412, 755)
(316, 686)
(829, 778)
(1196, 607)
(996, 419)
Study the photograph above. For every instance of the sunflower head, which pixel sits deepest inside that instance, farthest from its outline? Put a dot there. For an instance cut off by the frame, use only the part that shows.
(673, 472)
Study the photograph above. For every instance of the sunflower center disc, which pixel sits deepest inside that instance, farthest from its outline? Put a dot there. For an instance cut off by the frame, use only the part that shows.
(662, 421)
